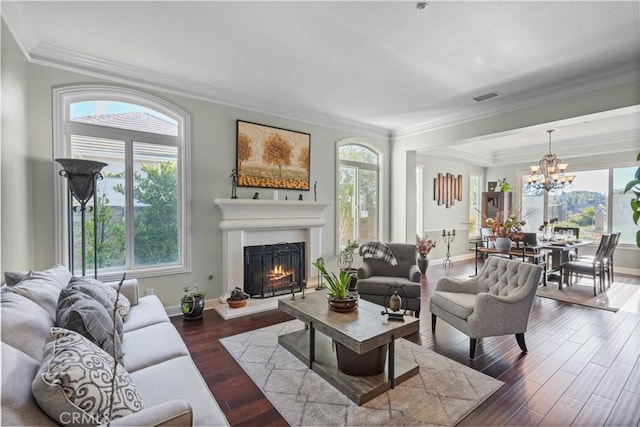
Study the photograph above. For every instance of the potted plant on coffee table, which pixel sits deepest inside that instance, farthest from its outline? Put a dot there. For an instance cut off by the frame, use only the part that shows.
(340, 298)
(192, 303)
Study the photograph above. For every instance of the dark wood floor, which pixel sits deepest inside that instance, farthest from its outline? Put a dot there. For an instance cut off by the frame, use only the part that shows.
(582, 368)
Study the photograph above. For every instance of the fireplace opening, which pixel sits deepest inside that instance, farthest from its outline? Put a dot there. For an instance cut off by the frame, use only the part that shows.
(271, 270)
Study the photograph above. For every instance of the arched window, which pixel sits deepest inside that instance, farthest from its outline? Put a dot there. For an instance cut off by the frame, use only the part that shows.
(358, 211)
(142, 215)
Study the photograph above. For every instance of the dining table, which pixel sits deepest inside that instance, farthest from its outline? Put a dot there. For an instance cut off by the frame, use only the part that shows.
(560, 253)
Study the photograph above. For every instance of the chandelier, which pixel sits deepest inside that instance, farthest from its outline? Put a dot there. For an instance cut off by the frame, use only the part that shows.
(549, 173)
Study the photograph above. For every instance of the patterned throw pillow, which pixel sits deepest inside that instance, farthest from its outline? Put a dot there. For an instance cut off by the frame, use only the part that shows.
(96, 293)
(73, 384)
(123, 302)
(86, 316)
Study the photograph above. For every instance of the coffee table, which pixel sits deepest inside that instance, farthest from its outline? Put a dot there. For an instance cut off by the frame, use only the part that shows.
(363, 331)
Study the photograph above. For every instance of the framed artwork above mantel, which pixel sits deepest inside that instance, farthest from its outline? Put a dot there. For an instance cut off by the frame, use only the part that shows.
(272, 157)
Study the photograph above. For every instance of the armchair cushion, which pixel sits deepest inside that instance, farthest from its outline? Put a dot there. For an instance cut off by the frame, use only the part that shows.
(457, 303)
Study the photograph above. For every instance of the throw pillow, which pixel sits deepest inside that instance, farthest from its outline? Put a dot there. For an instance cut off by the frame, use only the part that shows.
(82, 314)
(99, 295)
(43, 287)
(73, 384)
(12, 278)
(123, 303)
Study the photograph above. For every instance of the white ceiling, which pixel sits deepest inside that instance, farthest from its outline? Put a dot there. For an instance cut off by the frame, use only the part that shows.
(378, 67)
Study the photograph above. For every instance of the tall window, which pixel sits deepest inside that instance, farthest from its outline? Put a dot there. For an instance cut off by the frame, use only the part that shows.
(595, 203)
(475, 204)
(358, 193)
(141, 212)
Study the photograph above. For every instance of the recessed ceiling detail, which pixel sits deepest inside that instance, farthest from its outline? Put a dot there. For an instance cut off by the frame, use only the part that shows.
(486, 96)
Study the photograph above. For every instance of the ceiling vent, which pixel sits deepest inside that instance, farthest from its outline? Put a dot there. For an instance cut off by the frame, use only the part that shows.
(486, 96)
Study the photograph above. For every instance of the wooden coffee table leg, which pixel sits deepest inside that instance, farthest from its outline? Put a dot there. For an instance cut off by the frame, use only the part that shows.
(312, 345)
(392, 364)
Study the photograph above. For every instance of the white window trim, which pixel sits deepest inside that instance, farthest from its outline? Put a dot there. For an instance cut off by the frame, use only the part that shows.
(380, 168)
(64, 96)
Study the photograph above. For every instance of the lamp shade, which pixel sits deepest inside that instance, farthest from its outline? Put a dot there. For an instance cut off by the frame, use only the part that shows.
(81, 174)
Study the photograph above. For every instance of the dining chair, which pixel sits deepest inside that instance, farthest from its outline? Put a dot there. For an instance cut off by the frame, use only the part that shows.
(594, 266)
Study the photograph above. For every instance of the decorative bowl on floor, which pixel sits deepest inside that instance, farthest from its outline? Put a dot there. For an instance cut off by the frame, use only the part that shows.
(237, 303)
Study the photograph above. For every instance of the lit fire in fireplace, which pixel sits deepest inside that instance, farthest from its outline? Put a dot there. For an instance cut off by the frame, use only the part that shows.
(279, 277)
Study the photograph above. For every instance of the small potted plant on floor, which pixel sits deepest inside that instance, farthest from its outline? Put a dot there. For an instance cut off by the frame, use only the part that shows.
(192, 303)
(340, 298)
(238, 298)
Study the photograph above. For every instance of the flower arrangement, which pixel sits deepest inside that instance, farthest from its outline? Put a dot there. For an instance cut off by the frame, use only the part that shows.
(424, 244)
(511, 227)
(546, 224)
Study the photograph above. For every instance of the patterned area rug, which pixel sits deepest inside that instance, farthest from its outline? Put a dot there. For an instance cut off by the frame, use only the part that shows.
(581, 293)
(442, 393)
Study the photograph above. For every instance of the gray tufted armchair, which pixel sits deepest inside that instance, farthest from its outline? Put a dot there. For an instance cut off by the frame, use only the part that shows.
(495, 302)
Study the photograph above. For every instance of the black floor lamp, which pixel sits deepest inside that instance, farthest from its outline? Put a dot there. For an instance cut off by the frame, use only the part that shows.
(82, 176)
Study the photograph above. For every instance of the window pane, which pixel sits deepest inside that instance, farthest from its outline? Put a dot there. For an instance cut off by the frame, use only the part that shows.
(584, 204)
(110, 212)
(368, 203)
(123, 115)
(155, 193)
(358, 153)
(621, 212)
(533, 207)
(346, 208)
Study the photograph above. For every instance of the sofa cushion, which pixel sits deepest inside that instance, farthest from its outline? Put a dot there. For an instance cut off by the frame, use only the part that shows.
(111, 294)
(23, 318)
(151, 345)
(186, 383)
(12, 278)
(457, 303)
(73, 384)
(148, 311)
(86, 316)
(377, 285)
(43, 287)
(19, 408)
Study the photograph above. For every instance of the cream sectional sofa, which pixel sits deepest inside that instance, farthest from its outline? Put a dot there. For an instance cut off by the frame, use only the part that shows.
(155, 356)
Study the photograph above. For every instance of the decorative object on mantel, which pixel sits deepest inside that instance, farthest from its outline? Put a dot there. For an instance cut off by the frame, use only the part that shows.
(340, 299)
(448, 237)
(256, 196)
(271, 157)
(192, 303)
(315, 191)
(82, 176)
(300, 197)
(548, 174)
(447, 189)
(238, 298)
(424, 246)
(275, 194)
(234, 183)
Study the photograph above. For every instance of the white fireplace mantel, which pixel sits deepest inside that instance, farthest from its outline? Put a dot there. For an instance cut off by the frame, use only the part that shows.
(257, 222)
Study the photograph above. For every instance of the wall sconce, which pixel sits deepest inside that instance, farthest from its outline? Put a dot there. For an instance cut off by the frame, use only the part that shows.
(447, 189)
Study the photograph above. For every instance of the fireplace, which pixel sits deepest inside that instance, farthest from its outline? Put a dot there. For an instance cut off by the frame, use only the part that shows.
(247, 222)
(271, 270)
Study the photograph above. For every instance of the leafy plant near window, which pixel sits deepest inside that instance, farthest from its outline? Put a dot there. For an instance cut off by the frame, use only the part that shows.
(634, 187)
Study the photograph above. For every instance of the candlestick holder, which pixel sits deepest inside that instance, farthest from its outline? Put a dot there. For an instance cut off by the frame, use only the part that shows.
(447, 238)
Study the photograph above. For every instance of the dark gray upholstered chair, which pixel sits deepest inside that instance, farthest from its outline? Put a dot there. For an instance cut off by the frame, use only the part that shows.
(495, 302)
(375, 275)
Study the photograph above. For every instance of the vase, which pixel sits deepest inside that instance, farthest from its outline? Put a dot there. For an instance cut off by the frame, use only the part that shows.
(503, 244)
(423, 263)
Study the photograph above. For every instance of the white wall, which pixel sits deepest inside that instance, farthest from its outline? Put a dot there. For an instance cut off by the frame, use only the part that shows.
(16, 248)
(213, 155)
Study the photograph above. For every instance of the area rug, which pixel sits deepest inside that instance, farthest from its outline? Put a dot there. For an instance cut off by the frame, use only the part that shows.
(581, 293)
(442, 394)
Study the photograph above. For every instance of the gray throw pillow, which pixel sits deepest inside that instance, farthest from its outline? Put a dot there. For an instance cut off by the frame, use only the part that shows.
(43, 287)
(73, 384)
(12, 278)
(123, 302)
(84, 315)
(95, 292)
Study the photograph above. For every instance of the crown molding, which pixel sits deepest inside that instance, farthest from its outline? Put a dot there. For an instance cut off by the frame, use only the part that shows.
(58, 57)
